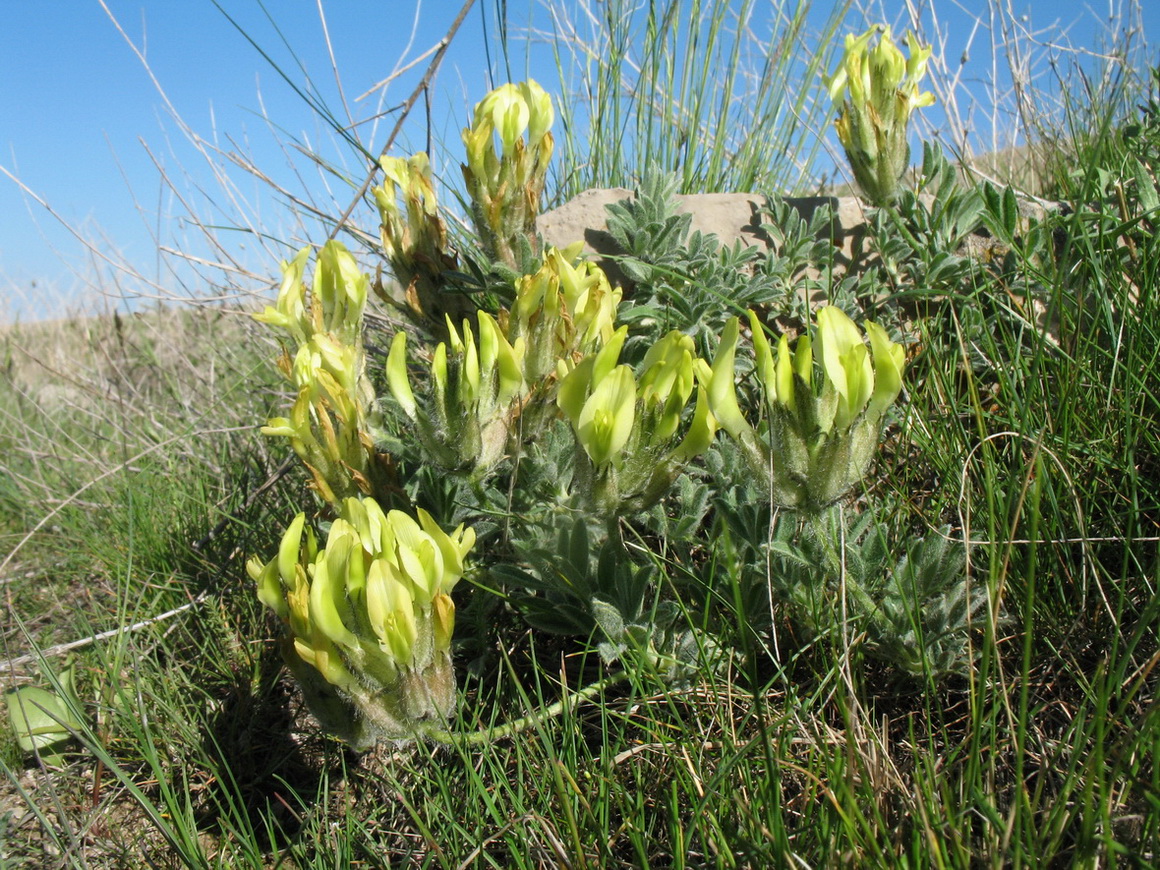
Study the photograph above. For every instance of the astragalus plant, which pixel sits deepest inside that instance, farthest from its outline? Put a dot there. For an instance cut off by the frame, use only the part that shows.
(823, 425)
(370, 618)
(543, 431)
(509, 144)
(368, 614)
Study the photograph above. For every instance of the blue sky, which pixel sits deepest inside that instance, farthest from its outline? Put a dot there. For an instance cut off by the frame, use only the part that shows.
(84, 126)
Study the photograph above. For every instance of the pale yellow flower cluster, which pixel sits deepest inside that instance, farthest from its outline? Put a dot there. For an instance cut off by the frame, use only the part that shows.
(370, 612)
(822, 431)
(877, 89)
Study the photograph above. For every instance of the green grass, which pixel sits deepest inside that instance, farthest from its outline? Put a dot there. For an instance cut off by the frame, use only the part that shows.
(721, 94)
(134, 484)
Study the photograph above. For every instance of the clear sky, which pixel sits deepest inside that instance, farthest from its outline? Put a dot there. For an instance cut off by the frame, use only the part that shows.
(88, 128)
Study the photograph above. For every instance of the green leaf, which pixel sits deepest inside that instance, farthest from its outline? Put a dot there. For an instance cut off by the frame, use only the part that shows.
(579, 547)
(1001, 209)
(1010, 212)
(41, 720)
(553, 617)
(609, 618)
(1145, 187)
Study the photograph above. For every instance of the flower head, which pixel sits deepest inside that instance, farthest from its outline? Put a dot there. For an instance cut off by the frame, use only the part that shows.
(506, 183)
(329, 421)
(877, 89)
(369, 614)
(477, 388)
(629, 427)
(563, 310)
(824, 421)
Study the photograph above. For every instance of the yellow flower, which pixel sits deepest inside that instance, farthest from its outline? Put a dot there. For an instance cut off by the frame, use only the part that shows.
(369, 614)
(506, 185)
(877, 90)
(845, 363)
(821, 433)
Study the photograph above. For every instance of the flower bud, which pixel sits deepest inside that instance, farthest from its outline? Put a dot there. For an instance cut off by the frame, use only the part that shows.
(397, 381)
(722, 389)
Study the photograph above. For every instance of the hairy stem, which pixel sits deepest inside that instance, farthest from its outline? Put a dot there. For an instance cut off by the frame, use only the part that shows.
(539, 717)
